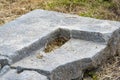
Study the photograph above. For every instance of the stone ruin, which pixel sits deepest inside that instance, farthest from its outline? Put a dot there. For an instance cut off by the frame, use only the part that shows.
(47, 45)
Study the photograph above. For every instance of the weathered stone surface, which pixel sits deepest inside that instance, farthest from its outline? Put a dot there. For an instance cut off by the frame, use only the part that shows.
(26, 75)
(114, 42)
(66, 61)
(90, 36)
(17, 35)
(90, 43)
(4, 70)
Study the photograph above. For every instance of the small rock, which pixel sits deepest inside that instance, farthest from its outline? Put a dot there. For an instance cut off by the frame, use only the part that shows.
(19, 69)
(3, 62)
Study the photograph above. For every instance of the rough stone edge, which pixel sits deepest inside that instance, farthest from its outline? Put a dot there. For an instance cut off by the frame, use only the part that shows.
(71, 70)
(96, 60)
(74, 69)
(14, 75)
(90, 36)
(112, 49)
(64, 32)
(38, 44)
(4, 61)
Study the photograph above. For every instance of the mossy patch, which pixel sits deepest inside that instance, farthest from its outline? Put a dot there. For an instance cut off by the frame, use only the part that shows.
(92, 74)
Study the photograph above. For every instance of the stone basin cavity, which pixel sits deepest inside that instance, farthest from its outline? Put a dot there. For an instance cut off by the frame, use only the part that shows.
(56, 42)
(69, 59)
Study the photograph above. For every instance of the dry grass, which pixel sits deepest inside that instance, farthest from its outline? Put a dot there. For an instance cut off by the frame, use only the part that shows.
(102, 9)
(111, 70)
(56, 43)
(108, 71)
(11, 9)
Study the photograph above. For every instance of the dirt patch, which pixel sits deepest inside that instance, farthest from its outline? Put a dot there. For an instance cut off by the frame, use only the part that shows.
(108, 71)
(54, 44)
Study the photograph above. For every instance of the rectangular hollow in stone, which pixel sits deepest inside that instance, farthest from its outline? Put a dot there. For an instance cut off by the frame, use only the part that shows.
(24, 39)
(68, 54)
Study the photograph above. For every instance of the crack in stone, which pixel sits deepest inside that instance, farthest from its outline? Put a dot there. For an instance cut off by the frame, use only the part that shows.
(21, 69)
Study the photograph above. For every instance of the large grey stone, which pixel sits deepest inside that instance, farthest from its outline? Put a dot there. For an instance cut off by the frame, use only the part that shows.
(26, 75)
(17, 36)
(66, 62)
(91, 42)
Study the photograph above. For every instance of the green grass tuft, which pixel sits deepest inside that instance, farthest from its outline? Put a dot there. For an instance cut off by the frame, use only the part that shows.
(89, 8)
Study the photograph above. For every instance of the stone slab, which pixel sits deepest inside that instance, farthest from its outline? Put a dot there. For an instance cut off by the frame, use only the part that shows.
(26, 75)
(92, 42)
(75, 52)
(17, 36)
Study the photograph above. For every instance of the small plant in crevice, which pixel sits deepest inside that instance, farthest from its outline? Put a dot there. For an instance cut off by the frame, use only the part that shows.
(54, 44)
(92, 74)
